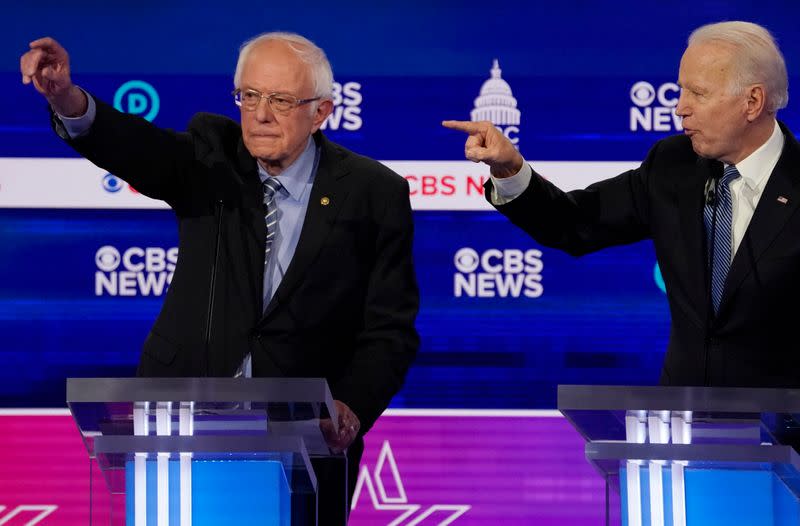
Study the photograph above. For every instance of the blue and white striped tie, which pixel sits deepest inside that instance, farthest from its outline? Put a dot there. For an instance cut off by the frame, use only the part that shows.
(719, 233)
(271, 187)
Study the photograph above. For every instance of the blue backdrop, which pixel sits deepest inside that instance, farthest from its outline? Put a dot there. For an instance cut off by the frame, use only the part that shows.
(402, 69)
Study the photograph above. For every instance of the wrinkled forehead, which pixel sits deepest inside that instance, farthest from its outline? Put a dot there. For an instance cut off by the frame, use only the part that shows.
(273, 66)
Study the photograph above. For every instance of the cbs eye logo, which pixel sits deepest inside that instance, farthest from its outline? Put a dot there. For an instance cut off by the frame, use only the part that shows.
(107, 258)
(467, 260)
(138, 97)
(643, 94)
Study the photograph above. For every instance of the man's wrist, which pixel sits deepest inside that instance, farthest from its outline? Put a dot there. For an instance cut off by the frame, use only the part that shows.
(72, 103)
(507, 170)
(508, 189)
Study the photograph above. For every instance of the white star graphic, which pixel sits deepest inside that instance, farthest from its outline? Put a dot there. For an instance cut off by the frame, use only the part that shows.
(43, 509)
(383, 502)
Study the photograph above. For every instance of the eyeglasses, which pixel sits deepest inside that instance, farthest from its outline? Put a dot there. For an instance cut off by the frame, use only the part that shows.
(279, 102)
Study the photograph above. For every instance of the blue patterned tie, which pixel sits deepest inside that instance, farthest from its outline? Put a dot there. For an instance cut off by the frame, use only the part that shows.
(271, 187)
(719, 234)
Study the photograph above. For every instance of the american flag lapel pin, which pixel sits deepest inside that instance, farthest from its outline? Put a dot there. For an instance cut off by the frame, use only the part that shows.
(783, 200)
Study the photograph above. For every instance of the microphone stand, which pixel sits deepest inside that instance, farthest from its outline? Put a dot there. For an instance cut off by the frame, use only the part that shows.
(219, 209)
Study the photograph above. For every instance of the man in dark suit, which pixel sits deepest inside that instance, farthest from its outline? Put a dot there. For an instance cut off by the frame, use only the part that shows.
(312, 243)
(719, 203)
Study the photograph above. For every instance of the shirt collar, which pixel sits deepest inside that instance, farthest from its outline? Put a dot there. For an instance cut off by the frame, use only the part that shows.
(296, 176)
(756, 167)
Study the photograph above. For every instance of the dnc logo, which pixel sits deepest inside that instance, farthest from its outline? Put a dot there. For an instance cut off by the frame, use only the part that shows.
(138, 98)
(112, 184)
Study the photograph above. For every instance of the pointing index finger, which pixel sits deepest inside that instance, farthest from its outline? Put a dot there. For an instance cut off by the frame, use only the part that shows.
(465, 126)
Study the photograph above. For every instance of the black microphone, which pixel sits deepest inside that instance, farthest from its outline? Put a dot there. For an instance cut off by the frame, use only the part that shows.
(219, 209)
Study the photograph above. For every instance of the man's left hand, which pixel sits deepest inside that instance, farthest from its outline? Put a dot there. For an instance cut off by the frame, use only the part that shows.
(349, 425)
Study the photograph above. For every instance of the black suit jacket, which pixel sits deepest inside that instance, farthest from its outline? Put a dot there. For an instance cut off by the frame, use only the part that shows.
(752, 341)
(345, 309)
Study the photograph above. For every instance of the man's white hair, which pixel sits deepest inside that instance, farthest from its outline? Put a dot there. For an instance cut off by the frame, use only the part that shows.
(756, 58)
(307, 52)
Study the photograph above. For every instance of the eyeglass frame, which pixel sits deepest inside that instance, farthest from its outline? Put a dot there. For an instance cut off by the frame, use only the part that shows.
(298, 101)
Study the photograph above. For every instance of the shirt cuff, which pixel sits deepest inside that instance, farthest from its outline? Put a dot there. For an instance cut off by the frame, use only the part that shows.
(78, 126)
(507, 189)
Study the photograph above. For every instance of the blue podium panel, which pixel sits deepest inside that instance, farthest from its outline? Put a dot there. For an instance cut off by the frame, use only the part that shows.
(718, 496)
(222, 493)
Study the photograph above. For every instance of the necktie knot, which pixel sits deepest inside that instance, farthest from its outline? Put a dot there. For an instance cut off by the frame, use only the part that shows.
(729, 174)
(271, 187)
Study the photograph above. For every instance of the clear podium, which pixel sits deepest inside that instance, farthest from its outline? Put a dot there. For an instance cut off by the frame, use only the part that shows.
(202, 451)
(692, 455)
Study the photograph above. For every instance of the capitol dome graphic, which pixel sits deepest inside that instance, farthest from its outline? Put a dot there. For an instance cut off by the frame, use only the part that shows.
(496, 103)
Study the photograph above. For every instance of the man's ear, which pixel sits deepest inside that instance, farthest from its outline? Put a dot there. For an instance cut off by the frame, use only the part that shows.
(756, 101)
(324, 108)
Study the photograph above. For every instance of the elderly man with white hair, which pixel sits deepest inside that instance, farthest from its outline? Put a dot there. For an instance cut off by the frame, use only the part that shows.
(719, 202)
(298, 249)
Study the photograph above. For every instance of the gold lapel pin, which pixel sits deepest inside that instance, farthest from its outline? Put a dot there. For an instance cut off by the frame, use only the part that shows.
(325, 201)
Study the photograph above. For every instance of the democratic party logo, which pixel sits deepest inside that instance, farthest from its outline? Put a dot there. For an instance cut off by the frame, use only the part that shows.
(138, 98)
(497, 104)
(134, 271)
(495, 273)
(346, 113)
(654, 107)
(113, 184)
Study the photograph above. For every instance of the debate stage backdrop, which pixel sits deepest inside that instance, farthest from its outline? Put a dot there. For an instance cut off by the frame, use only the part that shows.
(582, 88)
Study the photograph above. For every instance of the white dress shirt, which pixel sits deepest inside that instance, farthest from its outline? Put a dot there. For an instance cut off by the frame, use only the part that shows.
(747, 189)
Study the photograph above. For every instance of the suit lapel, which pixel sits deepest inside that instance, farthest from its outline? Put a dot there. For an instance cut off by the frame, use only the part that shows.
(692, 201)
(328, 193)
(253, 217)
(769, 218)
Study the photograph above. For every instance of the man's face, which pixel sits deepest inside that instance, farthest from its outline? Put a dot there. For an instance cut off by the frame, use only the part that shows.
(277, 139)
(713, 118)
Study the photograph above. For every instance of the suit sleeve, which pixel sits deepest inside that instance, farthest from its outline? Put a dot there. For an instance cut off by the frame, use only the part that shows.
(388, 342)
(154, 161)
(615, 211)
